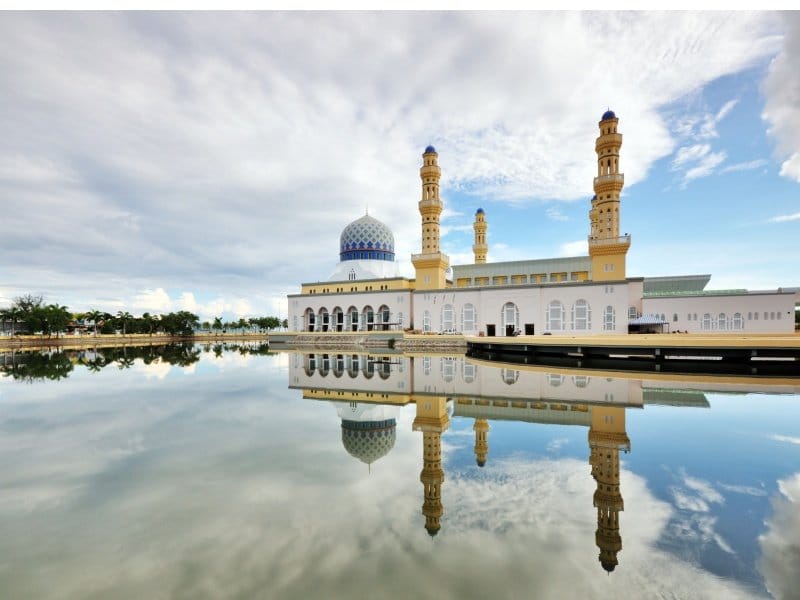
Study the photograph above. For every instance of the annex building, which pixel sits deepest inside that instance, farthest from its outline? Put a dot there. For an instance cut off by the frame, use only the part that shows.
(581, 295)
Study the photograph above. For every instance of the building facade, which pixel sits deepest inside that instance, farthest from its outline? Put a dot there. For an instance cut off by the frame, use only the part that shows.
(581, 295)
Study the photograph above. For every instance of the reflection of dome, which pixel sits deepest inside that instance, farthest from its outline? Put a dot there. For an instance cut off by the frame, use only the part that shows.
(608, 566)
(366, 239)
(609, 114)
(368, 440)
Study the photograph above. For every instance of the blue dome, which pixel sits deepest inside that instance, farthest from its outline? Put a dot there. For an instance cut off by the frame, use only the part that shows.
(480, 211)
(430, 149)
(368, 440)
(609, 114)
(366, 239)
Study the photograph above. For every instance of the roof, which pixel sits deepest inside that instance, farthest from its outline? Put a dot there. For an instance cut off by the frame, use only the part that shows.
(520, 267)
(675, 284)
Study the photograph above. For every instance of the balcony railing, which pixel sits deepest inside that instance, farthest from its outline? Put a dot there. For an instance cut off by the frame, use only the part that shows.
(612, 178)
(623, 239)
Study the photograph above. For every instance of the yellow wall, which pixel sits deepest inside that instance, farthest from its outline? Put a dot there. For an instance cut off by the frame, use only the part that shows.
(366, 285)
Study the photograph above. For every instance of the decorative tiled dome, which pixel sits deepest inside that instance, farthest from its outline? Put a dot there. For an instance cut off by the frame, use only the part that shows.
(430, 149)
(609, 114)
(480, 211)
(366, 239)
(368, 440)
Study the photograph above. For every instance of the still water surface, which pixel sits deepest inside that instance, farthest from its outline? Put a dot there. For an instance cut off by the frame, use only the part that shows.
(229, 472)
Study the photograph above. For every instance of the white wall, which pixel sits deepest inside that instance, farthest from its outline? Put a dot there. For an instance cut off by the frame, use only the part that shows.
(532, 304)
(778, 308)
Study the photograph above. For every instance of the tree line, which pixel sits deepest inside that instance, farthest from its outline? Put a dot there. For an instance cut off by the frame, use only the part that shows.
(32, 314)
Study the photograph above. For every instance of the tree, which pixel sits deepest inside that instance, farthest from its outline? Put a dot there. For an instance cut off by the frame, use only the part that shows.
(149, 322)
(217, 326)
(124, 316)
(13, 314)
(94, 316)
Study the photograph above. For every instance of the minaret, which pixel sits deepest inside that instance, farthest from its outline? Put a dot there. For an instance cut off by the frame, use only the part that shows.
(432, 420)
(430, 264)
(606, 247)
(479, 247)
(607, 437)
(481, 429)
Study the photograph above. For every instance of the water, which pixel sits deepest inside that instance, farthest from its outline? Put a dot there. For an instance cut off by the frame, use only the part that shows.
(228, 472)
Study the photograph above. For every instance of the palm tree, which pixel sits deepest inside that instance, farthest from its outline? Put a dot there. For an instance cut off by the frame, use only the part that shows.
(148, 321)
(124, 316)
(94, 315)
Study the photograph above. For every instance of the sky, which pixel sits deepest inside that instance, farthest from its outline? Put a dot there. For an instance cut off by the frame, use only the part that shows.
(209, 161)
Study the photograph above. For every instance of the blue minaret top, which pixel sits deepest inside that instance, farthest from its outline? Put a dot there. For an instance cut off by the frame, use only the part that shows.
(430, 149)
(609, 114)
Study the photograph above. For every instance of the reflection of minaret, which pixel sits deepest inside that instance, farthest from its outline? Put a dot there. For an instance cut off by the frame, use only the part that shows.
(432, 420)
(607, 437)
(481, 428)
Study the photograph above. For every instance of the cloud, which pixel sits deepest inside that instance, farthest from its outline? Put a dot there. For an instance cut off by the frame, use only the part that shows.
(785, 438)
(576, 248)
(745, 166)
(780, 550)
(222, 154)
(781, 90)
(784, 218)
(555, 214)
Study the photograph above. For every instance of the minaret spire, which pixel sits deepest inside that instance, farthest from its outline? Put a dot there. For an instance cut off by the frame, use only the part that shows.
(431, 264)
(606, 247)
(480, 248)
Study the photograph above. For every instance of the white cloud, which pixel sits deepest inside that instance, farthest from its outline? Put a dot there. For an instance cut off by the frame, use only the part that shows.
(780, 549)
(782, 93)
(576, 248)
(154, 301)
(745, 166)
(555, 214)
(221, 155)
(785, 438)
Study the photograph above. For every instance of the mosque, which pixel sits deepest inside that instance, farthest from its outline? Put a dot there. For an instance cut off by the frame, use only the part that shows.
(581, 295)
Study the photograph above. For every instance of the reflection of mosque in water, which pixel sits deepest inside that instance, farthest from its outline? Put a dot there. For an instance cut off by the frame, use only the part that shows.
(368, 391)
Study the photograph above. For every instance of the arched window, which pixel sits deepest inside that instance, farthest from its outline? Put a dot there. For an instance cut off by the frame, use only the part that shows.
(426, 321)
(510, 376)
(324, 319)
(368, 320)
(609, 319)
(468, 318)
(448, 366)
(737, 324)
(311, 319)
(383, 318)
(555, 380)
(447, 317)
(555, 316)
(352, 313)
(581, 381)
(510, 317)
(581, 315)
(722, 322)
(706, 323)
(469, 373)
